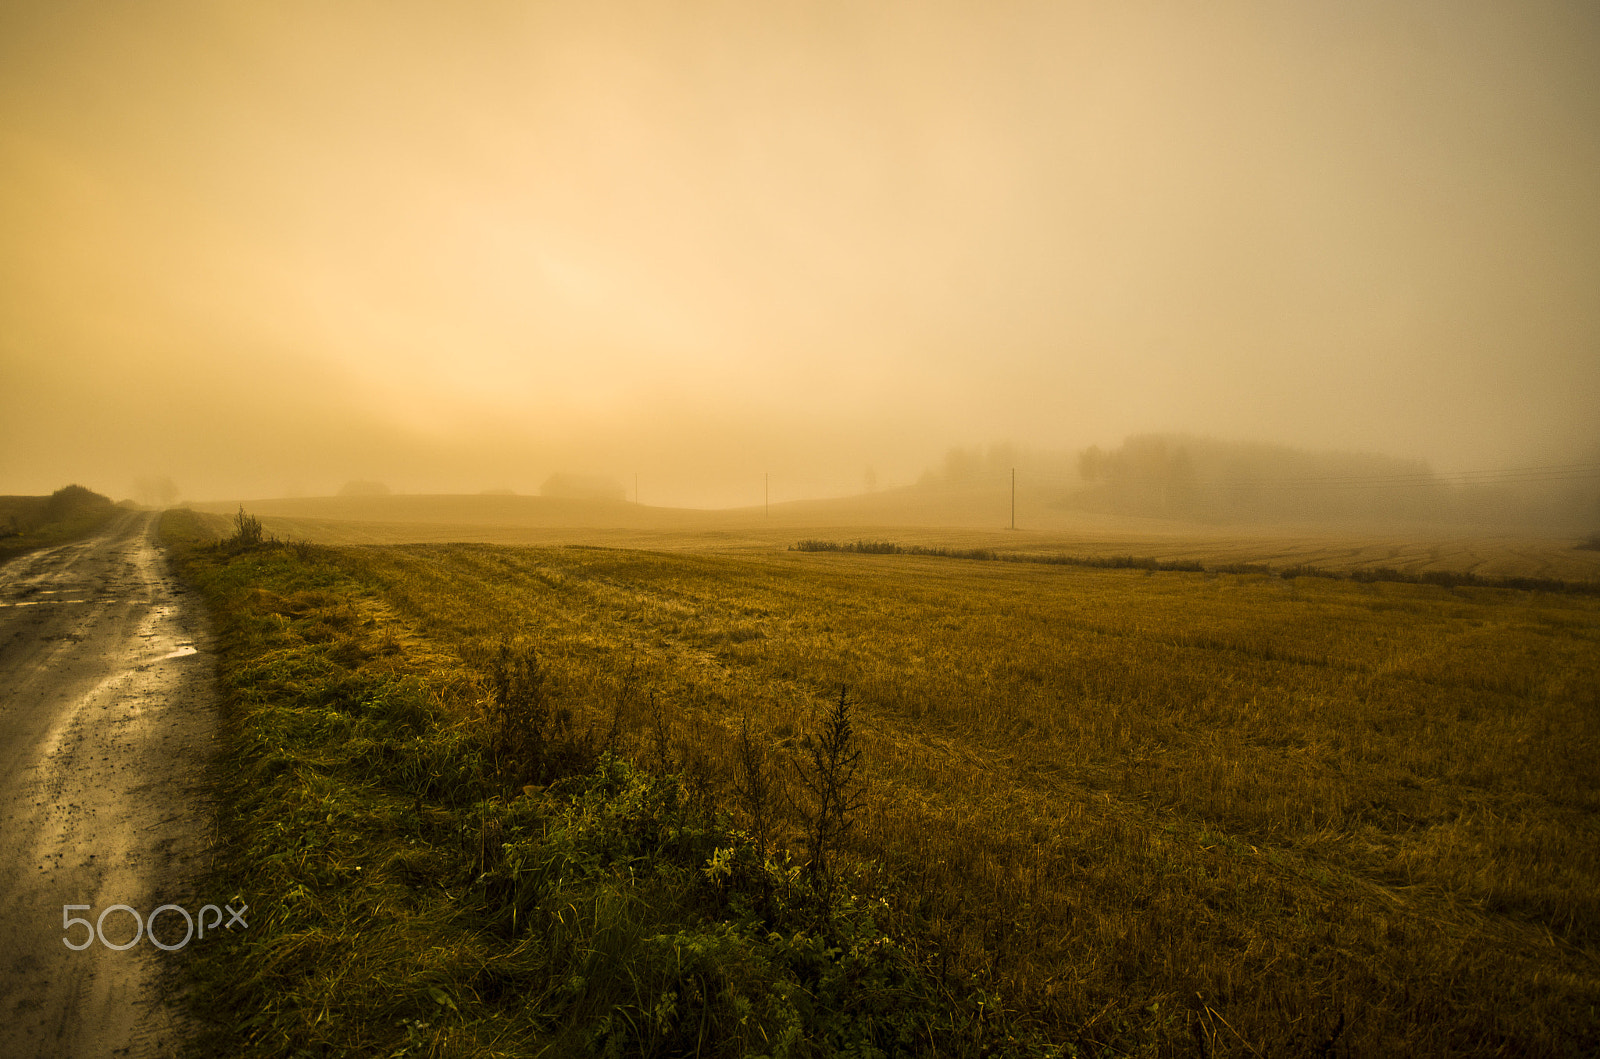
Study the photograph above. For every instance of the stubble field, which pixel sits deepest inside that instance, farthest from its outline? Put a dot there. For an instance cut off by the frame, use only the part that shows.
(1287, 802)
(1174, 811)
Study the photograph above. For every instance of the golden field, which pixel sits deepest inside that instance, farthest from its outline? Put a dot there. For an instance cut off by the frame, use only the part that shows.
(1214, 812)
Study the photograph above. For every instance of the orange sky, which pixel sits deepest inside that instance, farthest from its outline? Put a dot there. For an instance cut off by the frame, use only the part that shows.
(270, 247)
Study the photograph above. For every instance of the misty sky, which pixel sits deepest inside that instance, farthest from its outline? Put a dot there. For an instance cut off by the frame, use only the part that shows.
(265, 248)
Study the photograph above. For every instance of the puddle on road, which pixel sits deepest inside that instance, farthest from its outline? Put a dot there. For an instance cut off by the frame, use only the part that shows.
(37, 602)
(182, 652)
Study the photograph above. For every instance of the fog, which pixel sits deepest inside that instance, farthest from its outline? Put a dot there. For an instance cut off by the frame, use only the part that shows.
(271, 249)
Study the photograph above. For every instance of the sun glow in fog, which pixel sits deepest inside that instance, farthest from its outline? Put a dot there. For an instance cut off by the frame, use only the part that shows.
(448, 249)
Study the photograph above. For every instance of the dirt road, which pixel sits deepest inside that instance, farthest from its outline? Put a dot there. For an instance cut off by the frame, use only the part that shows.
(107, 721)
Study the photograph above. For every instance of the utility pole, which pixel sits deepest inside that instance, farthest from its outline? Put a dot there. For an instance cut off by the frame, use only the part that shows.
(766, 490)
(636, 489)
(1013, 498)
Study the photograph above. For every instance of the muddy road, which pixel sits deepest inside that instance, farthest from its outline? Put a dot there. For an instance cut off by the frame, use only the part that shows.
(107, 723)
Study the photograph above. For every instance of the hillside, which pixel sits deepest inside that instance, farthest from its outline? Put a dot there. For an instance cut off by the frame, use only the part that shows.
(29, 522)
(958, 516)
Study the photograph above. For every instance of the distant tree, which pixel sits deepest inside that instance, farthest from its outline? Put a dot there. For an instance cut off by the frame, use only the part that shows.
(156, 491)
(364, 488)
(1091, 463)
(993, 464)
(1180, 475)
(961, 465)
(582, 487)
